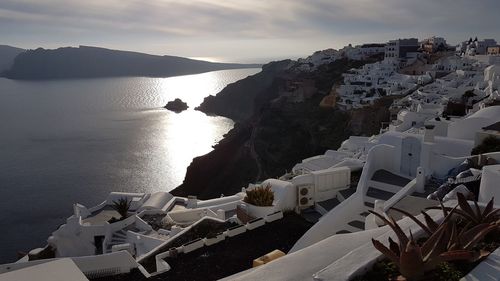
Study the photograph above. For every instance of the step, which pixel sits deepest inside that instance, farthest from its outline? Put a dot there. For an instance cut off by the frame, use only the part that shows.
(357, 224)
(310, 215)
(385, 186)
(351, 228)
(427, 191)
(117, 241)
(379, 194)
(387, 177)
(364, 214)
(369, 205)
(360, 218)
(329, 204)
(346, 193)
(418, 194)
(120, 235)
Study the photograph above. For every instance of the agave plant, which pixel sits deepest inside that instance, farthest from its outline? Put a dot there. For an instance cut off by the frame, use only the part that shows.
(260, 196)
(122, 206)
(474, 216)
(463, 240)
(445, 243)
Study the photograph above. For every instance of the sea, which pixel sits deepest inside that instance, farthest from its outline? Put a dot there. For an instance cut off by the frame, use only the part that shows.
(74, 141)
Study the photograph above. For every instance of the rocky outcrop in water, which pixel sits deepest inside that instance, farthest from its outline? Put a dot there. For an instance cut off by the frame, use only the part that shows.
(176, 105)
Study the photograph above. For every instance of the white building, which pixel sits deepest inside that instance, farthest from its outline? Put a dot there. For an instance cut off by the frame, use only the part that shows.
(475, 47)
(316, 59)
(433, 44)
(361, 52)
(333, 249)
(404, 51)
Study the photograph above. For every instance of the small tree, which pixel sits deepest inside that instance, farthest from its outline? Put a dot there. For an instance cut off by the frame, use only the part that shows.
(467, 95)
(122, 206)
(489, 144)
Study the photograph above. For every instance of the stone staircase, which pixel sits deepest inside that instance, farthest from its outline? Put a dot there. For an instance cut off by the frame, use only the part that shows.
(382, 186)
(314, 214)
(118, 237)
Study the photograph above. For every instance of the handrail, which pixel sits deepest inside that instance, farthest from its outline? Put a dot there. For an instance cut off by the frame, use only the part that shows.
(411, 186)
(408, 189)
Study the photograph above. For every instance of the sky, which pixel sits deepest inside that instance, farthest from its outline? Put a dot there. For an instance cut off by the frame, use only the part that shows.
(240, 30)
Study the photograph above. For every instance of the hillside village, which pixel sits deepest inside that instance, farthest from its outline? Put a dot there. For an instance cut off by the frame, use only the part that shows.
(442, 145)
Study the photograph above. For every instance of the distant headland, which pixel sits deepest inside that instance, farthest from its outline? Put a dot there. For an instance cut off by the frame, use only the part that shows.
(93, 62)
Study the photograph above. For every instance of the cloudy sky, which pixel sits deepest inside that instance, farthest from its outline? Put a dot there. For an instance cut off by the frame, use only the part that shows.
(239, 30)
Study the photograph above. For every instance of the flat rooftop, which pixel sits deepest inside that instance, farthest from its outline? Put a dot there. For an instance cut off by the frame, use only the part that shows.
(102, 216)
(62, 269)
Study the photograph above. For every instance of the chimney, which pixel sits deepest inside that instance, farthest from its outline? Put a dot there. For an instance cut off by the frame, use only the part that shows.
(429, 133)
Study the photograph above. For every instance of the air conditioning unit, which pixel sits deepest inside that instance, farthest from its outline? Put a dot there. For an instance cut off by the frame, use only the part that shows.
(305, 195)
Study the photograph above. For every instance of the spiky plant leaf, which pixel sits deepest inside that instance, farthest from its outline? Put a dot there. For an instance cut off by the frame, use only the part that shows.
(431, 224)
(412, 217)
(472, 236)
(464, 205)
(403, 239)
(394, 247)
(458, 255)
(411, 261)
(435, 245)
(492, 216)
(453, 237)
(478, 210)
(489, 207)
(386, 251)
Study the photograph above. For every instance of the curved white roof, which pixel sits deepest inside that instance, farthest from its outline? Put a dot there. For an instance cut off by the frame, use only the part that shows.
(491, 112)
(467, 128)
(157, 201)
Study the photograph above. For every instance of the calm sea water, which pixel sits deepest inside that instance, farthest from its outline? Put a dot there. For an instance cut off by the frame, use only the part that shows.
(68, 141)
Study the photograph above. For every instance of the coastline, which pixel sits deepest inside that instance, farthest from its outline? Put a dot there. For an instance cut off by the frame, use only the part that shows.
(125, 137)
(273, 134)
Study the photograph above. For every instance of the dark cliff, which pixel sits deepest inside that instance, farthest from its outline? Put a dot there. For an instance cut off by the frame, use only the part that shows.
(237, 100)
(278, 133)
(89, 62)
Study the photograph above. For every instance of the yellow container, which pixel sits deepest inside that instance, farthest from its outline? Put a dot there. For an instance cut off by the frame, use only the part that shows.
(268, 257)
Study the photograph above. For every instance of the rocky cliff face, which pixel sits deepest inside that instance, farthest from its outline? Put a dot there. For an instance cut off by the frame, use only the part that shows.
(285, 126)
(237, 101)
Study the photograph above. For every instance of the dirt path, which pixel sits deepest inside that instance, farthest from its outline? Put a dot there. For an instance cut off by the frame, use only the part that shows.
(253, 152)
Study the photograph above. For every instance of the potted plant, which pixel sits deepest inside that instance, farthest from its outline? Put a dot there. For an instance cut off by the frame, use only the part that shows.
(260, 201)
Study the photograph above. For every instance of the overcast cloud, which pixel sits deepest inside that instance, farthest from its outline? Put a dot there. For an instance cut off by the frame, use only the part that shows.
(239, 29)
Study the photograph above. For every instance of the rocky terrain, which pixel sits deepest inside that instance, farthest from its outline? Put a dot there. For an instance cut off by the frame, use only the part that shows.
(237, 100)
(286, 125)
